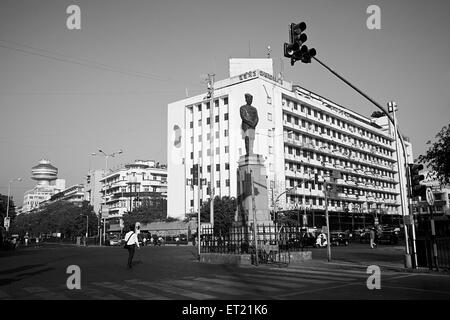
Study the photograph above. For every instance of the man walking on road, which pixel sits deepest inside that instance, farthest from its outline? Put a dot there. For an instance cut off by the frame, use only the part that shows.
(372, 238)
(132, 241)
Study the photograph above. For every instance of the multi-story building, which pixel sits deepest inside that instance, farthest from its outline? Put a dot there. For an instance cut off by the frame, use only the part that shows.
(302, 136)
(47, 185)
(441, 194)
(74, 194)
(126, 188)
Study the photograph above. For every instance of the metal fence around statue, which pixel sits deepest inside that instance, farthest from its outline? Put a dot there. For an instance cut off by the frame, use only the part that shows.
(274, 242)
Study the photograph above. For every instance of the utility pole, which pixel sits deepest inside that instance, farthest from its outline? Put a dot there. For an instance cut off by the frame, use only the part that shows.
(210, 95)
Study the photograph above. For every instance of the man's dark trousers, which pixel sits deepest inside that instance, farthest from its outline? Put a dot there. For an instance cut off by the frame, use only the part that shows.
(131, 254)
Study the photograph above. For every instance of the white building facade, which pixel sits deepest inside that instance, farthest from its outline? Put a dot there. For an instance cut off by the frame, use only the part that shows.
(302, 136)
(126, 188)
(47, 185)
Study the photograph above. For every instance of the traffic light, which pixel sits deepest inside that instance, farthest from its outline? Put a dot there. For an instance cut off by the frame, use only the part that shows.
(295, 48)
(417, 189)
(195, 175)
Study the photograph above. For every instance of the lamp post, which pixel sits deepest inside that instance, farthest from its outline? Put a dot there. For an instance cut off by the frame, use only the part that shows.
(9, 195)
(106, 155)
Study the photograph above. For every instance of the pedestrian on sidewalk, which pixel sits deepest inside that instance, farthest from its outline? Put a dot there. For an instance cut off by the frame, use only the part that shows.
(372, 238)
(131, 241)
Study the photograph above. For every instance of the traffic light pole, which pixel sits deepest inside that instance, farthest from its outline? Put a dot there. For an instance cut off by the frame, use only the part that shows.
(397, 134)
(327, 222)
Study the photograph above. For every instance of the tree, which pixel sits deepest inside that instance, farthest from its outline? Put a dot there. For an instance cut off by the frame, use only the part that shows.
(151, 210)
(64, 217)
(3, 207)
(438, 155)
(224, 212)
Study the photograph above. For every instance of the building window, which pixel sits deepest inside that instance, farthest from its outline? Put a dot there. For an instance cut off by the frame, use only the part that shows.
(200, 138)
(225, 132)
(200, 122)
(208, 168)
(192, 155)
(199, 155)
(217, 134)
(225, 101)
(217, 150)
(191, 124)
(192, 203)
(225, 116)
(208, 120)
(217, 119)
(217, 166)
(227, 182)
(227, 149)
(216, 103)
(227, 166)
(207, 106)
(199, 108)
(269, 116)
(271, 150)
(218, 183)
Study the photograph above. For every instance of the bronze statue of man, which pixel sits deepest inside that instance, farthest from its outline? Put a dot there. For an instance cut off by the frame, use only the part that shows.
(249, 116)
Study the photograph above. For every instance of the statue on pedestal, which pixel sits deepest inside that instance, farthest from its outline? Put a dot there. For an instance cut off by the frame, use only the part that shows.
(249, 116)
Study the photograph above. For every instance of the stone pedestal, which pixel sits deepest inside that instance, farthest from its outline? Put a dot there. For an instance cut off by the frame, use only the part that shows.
(248, 166)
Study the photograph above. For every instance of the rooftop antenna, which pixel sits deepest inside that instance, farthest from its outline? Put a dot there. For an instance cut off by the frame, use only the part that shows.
(268, 52)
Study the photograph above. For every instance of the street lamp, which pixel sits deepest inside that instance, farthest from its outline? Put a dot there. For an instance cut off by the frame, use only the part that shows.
(106, 155)
(9, 195)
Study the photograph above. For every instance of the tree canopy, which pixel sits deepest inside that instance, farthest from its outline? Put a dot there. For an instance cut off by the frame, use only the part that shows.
(59, 217)
(3, 207)
(224, 212)
(151, 210)
(437, 158)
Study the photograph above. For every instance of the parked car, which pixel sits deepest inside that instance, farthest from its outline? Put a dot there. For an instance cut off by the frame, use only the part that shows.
(339, 238)
(308, 239)
(388, 234)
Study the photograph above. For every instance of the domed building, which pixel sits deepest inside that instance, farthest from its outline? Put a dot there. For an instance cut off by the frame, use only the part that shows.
(47, 185)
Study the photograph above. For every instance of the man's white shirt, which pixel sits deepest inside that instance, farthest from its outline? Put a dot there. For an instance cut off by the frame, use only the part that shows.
(132, 238)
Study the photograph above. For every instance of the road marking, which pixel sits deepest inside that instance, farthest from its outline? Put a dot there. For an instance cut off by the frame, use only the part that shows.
(304, 276)
(241, 284)
(282, 282)
(338, 274)
(208, 287)
(172, 290)
(416, 289)
(145, 295)
(45, 294)
(97, 294)
(316, 290)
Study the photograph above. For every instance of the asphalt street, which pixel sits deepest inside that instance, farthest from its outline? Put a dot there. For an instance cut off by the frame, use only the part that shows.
(173, 273)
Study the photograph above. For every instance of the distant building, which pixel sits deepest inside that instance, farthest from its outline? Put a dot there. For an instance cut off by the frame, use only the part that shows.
(126, 188)
(47, 185)
(441, 194)
(73, 194)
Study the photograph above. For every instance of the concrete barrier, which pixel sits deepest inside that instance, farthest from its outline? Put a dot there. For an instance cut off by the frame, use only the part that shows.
(246, 259)
(299, 257)
(223, 258)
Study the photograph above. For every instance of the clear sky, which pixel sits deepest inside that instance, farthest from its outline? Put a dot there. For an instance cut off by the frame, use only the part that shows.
(64, 93)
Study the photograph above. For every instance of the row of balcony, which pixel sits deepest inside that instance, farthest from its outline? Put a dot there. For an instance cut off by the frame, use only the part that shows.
(370, 150)
(346, 169)
(327, 165)
(343, 117)
(345, 196)
(339, 155)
